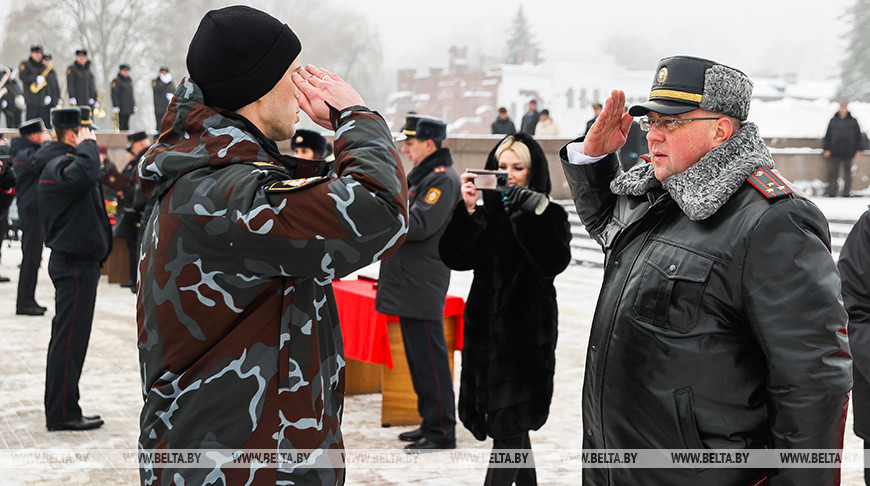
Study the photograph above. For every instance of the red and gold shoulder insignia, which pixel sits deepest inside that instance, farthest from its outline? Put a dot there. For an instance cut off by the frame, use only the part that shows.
(295, 184)
(432, 195)
(769, 183)
(440, 169)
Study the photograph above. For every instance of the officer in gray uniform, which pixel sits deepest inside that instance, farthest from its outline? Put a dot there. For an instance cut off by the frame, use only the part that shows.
(413, 282)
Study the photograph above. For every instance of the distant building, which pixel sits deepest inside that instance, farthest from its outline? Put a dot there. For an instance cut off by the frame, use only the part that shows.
(468, 98)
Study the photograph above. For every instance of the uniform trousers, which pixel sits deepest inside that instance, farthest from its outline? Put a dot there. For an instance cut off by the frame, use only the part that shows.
(75, 283)
(523, 475)
(426, 352)
(32, 240)
(123, 121)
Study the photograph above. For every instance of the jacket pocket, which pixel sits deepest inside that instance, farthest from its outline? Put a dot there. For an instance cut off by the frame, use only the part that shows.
(685, 403)
(671, 287)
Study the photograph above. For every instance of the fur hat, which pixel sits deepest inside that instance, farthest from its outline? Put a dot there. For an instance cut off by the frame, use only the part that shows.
(309, 139)
(34, 125)
(684, 83)
(66, 117)
(238, 54)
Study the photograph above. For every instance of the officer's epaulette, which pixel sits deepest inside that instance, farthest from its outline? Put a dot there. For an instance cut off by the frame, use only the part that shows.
(440, 169)
(295, 184)
(263, 164)
(768, 183)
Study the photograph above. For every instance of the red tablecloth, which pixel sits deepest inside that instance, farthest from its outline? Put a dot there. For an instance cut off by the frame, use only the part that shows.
(364, 329)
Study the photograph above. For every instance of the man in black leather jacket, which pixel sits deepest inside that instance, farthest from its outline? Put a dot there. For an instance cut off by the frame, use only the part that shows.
(720, 323)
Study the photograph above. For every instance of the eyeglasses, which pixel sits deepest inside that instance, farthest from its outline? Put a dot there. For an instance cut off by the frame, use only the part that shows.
(667, 124)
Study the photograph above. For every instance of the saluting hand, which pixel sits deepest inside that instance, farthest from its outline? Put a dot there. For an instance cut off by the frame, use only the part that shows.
(610, 129)
(315, 87)
(85, 134)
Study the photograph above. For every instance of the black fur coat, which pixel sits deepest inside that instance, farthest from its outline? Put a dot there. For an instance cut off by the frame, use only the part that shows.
(511, 317)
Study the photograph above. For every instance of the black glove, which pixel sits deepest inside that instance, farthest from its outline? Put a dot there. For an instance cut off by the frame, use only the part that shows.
(520, 198)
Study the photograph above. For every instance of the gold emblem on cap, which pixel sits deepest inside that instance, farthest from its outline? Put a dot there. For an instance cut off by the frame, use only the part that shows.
(662, 76)
(299, 139)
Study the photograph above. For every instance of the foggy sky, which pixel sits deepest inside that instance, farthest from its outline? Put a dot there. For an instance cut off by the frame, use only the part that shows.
(756, 36)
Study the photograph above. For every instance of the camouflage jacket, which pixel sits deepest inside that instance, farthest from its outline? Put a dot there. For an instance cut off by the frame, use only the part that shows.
(239, 342)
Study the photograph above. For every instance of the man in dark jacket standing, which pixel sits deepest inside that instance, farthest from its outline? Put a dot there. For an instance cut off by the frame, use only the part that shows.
(163, 89)
(503, 125)
(239, 341)
(530, 119)
(80, 85)
(719, 322)
(413, 283)
(33, 135)
(123, 102)
(78, 232)
(842, 143)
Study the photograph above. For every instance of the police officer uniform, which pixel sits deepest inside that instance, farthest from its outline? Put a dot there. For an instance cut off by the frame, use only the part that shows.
(32, 237)
(130, 208)
(122, 97)
(80, 84)
(34, 82)
(78, 232)
(163, 89)
(413, 286)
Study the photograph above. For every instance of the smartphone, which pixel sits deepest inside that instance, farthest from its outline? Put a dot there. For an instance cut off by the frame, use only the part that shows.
(490, 180)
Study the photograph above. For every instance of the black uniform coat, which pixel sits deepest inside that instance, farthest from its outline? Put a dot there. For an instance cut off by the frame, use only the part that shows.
(7, 102)
(161, 89)
(23, 151)
(508, 357)
(71, 200)
(80, 84)
(719, 323)
(52, 89)
(413, 282)
(122, 94)
(854, 266)
(28, 71)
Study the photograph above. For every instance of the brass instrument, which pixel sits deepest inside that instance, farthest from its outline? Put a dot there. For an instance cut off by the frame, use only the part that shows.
(37, 87)
(99, 112)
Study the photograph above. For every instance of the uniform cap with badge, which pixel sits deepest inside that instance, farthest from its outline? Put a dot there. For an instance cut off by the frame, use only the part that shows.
(423, 128)
(684, 83)
(309, 139)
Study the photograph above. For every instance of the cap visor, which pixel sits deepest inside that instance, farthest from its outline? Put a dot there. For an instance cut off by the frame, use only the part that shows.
(662, 107)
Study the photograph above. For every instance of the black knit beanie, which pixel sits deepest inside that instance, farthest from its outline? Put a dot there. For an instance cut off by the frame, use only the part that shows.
(239, 54)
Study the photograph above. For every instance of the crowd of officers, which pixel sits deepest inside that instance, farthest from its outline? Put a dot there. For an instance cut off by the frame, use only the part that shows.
(39, 90)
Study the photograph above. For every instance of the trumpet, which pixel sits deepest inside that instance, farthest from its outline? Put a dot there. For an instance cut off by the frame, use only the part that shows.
(99, 112)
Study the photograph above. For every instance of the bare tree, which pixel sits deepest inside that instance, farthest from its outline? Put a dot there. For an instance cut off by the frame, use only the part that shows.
(147, 34)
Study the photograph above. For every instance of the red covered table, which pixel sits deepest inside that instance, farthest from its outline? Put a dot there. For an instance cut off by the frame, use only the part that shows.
(372, 339)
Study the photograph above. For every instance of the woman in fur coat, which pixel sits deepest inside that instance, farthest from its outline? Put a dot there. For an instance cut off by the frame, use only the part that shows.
(516, 242)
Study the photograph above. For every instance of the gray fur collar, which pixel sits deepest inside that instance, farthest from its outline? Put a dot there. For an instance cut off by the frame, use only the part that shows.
(704, 187)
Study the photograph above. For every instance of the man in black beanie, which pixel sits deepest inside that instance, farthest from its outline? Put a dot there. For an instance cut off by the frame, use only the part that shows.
(239, 342)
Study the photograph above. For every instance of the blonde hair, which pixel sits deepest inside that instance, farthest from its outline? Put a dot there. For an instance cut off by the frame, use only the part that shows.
(517, 147)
